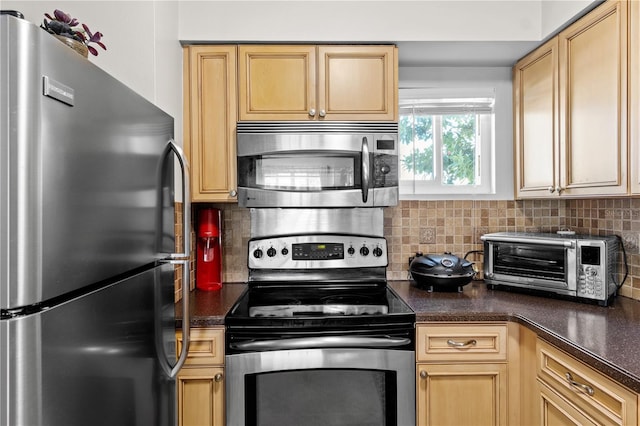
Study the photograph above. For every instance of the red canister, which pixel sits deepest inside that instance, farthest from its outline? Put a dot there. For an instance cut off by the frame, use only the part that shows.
(209, 249)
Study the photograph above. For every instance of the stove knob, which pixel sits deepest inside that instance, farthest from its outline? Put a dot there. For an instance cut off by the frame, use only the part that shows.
(271, 252)
(257, 253)
(377, 252)
(285, 251)
(351, 251)
(364, 251)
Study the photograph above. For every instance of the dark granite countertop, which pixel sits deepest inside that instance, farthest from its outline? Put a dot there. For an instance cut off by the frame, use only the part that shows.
(607, 338)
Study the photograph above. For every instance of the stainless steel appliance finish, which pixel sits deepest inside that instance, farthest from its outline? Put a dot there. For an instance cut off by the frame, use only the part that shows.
(355, 221)
(332, 366)
(583, 267)
(325, 164)
(87, 230)
(318, 337)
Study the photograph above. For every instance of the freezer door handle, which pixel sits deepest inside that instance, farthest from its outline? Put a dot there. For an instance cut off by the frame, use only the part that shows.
(186, 197)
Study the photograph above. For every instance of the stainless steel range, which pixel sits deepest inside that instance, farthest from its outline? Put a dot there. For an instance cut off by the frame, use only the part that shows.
(318, 337)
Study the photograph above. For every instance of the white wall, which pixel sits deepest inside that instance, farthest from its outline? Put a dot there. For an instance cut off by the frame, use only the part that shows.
(388, 21)
(556, 13)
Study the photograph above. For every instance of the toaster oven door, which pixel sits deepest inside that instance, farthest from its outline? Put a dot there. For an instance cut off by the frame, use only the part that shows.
(542, 265)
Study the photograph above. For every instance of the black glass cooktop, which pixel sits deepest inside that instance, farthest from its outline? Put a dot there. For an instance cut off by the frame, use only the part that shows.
(327, 306)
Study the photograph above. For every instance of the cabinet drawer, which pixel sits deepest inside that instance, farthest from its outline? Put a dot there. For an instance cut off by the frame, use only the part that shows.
(590, 391)
(206, 346)
(462, 342)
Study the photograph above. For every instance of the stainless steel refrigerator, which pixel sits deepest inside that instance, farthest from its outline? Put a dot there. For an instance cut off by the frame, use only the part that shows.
(87, 242)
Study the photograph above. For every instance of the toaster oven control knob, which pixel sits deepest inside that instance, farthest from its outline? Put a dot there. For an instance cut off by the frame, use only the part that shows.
(271, 252)
(285, 251)
(364, 251)
(377, 252)
(257, 253)
(351, 250)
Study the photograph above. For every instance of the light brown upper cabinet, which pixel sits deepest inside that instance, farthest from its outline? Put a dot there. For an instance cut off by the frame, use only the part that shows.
(210, 116)
(303, 82)
(535, 85)
(634, 92)
(588, 155)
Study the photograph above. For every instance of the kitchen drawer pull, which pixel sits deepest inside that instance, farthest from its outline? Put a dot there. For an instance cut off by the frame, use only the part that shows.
(455, 344)
(585, 388)
(217, 378)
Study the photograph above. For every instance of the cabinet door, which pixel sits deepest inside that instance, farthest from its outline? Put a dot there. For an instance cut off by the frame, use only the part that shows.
(277, 82)
(462, 394)
(593, 101)
(357, 83)
(536, 122)
(201, 397)
(634, 93)
(210, 121)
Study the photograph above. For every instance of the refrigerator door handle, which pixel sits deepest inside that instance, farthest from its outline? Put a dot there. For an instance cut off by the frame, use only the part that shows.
(182, 257)
(182, 358)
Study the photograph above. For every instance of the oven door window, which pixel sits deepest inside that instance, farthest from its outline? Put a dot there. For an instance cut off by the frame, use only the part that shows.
(327, 397)
(301, 171)
(531, 261)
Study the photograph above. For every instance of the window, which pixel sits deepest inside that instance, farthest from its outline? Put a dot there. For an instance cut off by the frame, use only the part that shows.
(446, 142)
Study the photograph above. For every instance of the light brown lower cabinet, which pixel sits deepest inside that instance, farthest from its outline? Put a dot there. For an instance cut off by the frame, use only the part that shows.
(200, 383)
(462, 374)
(571, 392)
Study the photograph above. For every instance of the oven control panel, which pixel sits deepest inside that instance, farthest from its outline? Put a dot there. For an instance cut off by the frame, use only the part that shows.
(317, 252)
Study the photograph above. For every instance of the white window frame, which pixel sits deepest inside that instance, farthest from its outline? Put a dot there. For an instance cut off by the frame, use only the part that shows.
(485, 164)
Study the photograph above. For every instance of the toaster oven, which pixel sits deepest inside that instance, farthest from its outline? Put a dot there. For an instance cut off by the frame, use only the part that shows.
(581, 267)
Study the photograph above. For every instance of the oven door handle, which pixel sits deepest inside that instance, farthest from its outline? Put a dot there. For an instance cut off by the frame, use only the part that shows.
(321, 342)
(518, 240)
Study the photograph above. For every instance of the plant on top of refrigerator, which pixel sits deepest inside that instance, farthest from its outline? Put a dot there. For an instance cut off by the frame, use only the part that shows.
(63, 24)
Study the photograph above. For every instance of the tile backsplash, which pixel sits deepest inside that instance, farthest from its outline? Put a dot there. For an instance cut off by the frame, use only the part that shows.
(456, 226)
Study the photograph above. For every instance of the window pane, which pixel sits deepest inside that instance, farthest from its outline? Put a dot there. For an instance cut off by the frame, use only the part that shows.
(416, 147)
(459, 149)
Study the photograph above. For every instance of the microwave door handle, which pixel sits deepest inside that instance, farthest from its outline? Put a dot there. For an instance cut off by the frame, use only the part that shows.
(365, 169)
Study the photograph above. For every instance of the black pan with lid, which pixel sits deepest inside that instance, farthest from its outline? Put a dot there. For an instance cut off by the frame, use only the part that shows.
(440, 271)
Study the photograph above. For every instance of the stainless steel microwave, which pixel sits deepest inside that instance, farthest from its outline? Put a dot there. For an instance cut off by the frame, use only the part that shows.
(583, 267)
(319, 164)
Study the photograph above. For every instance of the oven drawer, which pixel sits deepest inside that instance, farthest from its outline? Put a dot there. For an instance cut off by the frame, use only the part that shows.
(595, 394)
(461, 342)
(206, 346)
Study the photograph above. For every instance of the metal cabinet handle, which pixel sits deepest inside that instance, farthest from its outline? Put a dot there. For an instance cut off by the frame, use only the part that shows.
(312, 112)
(233, 193)
(423, 374)
(551, 189)
(322, 113)
(455, 344)
(585, 388)
(218, 378)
